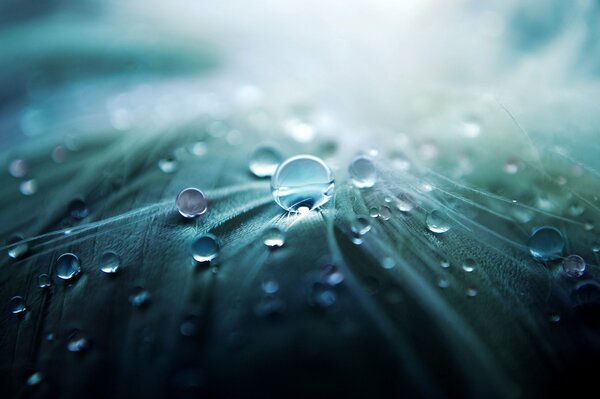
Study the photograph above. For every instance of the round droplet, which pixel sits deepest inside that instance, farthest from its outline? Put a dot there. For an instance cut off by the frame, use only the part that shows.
(270, 287)
(205, 248)
(167, 165)
(554, 317)
(385, 212)
(191, 202)
(322, 295)
(574, 266)
(511, 166)
(18, 168)
(360, 226)
(405, 203)
(77, 343)
(264, 161)
(67, 266)
(388, 263)
(437, 222)
(28, 187)
(44, 281)
(139, 297)
(78, 209)
(576, 209)
(362, 172)
(17, 305)
(17, 247)
(374, 212)
(469, 265)
(445, 263)
(190, 326)
(59, 154)
(110, 262)
(471, 292)
(332, 275)
(302, 182)
(443, 283)
(274, 237)
(546, 243)
(35, 379)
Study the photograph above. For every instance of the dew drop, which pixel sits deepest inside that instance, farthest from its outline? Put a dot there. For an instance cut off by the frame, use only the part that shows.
(59, 154)
(110, 262)
(388, 263)
(167, 165)
(385, 212)
(18, 168)
(35, 379)
(363, 172)
(332, 275)
(190, 326)
(588, 226)
(270, 287)
(191, 203)
(437, 222)
(77, 343)
(78, 209)
(44, 281)
(511, 166)
(546, 243)
(471, 292)
(554, 317)
(576, 209)
(274, 237)
(469, 265)
(374, 212)
(205, 248)
(443, 283)
(67, 266)
(139, 297)
(28, 187)
(300, 182)
(445, 264)
(574, 266)
(264, 161)
(360, 226)
(405, 203)
(18, 248)
(322, 295)
(17, 305)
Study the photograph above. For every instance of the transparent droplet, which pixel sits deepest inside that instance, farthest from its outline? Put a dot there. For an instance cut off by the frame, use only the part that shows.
(190, 326)
(18, 247)
(443, 283)
(78, 209)
(191, 202)
(360, 226)
(139, 297)
(546, 243)
(270, 287)
(574, 266)
(588, 226)
(445, 263)
(405, 203)
(388, 263)
(44, 281)
(511, 166)
(374, 212)
(35, 379)
(17, 305)
(469, 265)
(167, 165)
(205, 248)
(300, 182)
(264, 161)
(362, 172)
(385, 212)
(67, 266)
(576, 209)
(554, 317)
(18, 168)
(596, 247)
(332, 275)
(110, 262)
(437, 222)
(322, 295)
(471, 292)
(197, 149)
(274, 237)
(77, 343)
(28, 187)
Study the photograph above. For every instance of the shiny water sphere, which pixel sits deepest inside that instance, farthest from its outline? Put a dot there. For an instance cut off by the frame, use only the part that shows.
(546, 243)
(362, 172)
(302, 183)
(274, 237)
(574, 266)
(67, 266)
(264, 161)
(437, 222)
(44, 281)
(18, 248)
(78, 209)
(191, 202)
(360, 226)
(139, 297)
(110, 262)
(17, 305)
(205, 248)
(167, 165)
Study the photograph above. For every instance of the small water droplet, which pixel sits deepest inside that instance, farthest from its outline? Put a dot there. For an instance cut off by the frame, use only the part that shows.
(574, 266)
(35, 379)
(167, 165)
(360, 226)
(190, 326)
(28, 187)
(300, 182)
(554, 317)
(274, 237)
(110, 262)
(576, 209)
(385, 212)
(445, 263)
(139, 297)
(374, 212)
(443, 283)
(44, 281)
(264, 161)
(332, 275)
(388, 263)
(270, 287)
(405, 203)
(363, 172)
(471, 292)
(588, 226)
(17, 305)
(437, 222)
(18, 168)
(18, 248)
(205, 248)
(321, 295)
(78, 209)
(198, 148)
(469, 265)
(59, 154)
(596, 247)
(77, 343)
(191, 202)
(511, 166)
(546, 243)
(67, 266)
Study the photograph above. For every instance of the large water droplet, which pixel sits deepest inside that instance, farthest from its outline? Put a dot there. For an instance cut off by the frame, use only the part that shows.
(110, 262)
(17, 305)
(78, 209)
(274, 237)
(302, 182)
(191, 202)
(205, 248)
(437, 222)
(264, 161)
(546, 243)
(362, 172)
(574, 266)
(385, 212)
(18, 248)
(67, 266)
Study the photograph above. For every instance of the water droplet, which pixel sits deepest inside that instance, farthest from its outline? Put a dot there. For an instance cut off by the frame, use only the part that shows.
(77, 343)
(67, 266)
(471, 292)
(191, 202)
(205, 248)
(405, 203)
(18, 248)
(546, 243)
(596, 247)
(437, 222)
(274, 237)
(443, 283)
(28, 187)
(139, 297)
(388, 263)
(17, 305)
(78, 209)
(264, 161)
(445, 263)
(385, 212)
(374, 212)
(110, 262)
(59, 154)
(554, 317)
(360, 226)
(198, 148)
(588, 226)
(363, 172)
(576, 209)
(469, 265)
(300, 131)
(302, 181)
(322, 295)
(44, 281)
(270, 287)
(167, 165)
(190, 326)
(18, 168)
(574, 266)
(35, 379)
(511, 166)
(332, 275)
